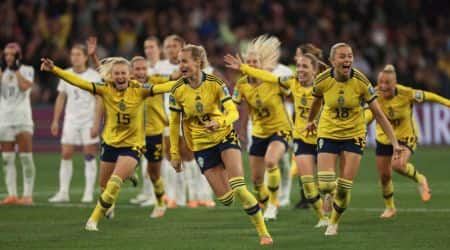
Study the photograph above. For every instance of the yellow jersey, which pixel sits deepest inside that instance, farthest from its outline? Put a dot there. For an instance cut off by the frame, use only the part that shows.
(399, 112)
(209, 101)
(266, 104)
(155, 115)
(342, 115)
(302, 96)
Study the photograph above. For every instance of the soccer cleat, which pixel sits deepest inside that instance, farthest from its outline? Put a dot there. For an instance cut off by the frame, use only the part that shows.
(9, 200)
(271, 212)
(424, 190)
(139, 198)
(171, 204)
(285, 202)
(148, 203)
(388, 213)
(59, 197)
(322, 223)
(332, 230)
(208, 203)
(158, 212)
(193, 204)
(26, 201)
(266, 240)
(91, 226)
(109, 214)
(327, 204)
(87, 198)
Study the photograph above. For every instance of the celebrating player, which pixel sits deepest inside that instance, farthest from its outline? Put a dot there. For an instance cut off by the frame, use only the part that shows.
(341, 129)
(200, 98)
(16, 123)
(397, 102)
(81, 126)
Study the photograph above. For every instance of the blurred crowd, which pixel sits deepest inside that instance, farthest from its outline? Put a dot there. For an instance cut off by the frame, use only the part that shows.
(414, 35)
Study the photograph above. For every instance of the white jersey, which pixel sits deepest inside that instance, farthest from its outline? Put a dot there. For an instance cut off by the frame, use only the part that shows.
(166, 68)
(15, 106)
(155, 69)
(284, 71)
(80, 104)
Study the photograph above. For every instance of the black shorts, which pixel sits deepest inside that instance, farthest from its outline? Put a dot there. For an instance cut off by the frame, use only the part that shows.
(153, 148)
(211, 157)
(303, 148)
(387, 149)
(325, 145)
(259, 145)
(110, 153)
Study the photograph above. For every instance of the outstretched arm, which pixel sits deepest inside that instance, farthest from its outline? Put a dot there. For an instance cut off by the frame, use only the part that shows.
(432, 97)
(235, 62)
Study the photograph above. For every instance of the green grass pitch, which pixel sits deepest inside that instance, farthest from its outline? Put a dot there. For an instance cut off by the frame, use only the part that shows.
(417, 225)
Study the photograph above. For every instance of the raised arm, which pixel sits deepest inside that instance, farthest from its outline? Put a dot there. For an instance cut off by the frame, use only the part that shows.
(235, 62)
(92, 51)
(432, 97)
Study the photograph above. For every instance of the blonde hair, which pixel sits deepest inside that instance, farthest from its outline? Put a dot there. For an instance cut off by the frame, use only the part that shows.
(137, 58)
(107, 64)
(389, 69)
(268, 50)
(198, 53)
(335, 47)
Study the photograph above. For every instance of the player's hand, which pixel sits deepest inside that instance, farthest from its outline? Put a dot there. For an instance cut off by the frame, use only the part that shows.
(46, 64)
(91, 43)
(397, 151)
(310, 129)
(233, 62)
(94, 131)
(16, 63)
(54, 129)
(211, 125)
(176, 164)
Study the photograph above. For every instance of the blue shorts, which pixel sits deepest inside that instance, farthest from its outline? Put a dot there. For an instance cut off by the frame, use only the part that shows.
(153, 148)
(303, 148)
(387, 149)
(259, 145)
(325, 145)
(211, 157)
(110, 153)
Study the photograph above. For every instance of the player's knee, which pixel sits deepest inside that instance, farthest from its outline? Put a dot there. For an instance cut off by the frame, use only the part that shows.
(270, 162)
(398, 165)
(66, 155)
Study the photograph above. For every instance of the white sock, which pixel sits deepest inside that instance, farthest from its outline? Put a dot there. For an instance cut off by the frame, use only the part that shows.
(180, 187)
(29, 172)
(286, 180)
(90, 174)
(192, 180)
(65, 175)
(206, 193)
(9, 166)
(168, 175)
(147, 187)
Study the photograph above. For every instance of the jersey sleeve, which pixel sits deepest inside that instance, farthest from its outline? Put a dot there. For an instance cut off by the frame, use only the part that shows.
(173, 104)
(27, 72)
(62, 86)
(237, 96)
(432, 97)
(369, 93)
(318, 88)
(417, 95)
(224, 93)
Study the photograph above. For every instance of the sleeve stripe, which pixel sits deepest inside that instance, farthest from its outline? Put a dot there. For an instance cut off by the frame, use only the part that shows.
(226, 99)
(94, 90)
(323, 76)
(175, 109)
(236, 102)
(151, 90)
(372, 99)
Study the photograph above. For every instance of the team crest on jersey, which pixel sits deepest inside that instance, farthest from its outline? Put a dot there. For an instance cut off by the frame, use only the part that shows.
(146, 86)
(199, 107)
(419, 95)
(320, 144)
(371, 90)
(225, 90)
(391, 112)
(201, 162)
(284, 79)
(304, 100)
(122, 105)
(341, 101)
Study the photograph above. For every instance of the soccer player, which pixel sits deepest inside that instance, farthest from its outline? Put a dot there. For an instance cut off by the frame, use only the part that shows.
(304, 145)
(397, 103)
(81, 126)
(123, 135)
(271, 129)
(196, 103)
(16, 123)
(341, 128)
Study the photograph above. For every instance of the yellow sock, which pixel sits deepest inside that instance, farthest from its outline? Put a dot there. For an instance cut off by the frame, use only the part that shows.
(327, 182)
(159, 191)
(273, 184)
(388, 194)
(262, 193)
(250, 205)
(227, 198)
(312, 194)
(108, 198)
(341, 199)
(412, 173)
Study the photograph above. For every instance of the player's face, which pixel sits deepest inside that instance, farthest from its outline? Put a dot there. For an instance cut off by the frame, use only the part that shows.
(151, 49)
(342, 60)
(77, 57)
(171, 49)
(120, 74)
(139, 70)
(9, 54)
(252, 60)
(386, 84)
(305, 70)
(188, 66)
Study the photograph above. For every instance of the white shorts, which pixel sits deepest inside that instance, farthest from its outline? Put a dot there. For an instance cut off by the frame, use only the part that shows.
(78, 136)
(9, 133)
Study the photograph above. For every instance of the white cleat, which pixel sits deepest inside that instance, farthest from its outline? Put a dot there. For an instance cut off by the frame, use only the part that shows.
(271, 212)
(158, 212)
(109, 214)
(285, 202)
(139, 198)
(59, 197)
(148, 203)
(87, 198)
(91, 226)
(322, 223)
(332, 230)
(327, 204)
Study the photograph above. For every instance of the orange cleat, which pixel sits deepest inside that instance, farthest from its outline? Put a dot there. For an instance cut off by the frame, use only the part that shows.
(193, 204)
(424, 190)
(208, 203)
(9, 200)
(388, 213)
(171, 204)
(166, 199)
(266, 240)
(26, 201)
